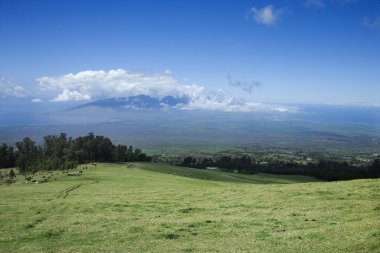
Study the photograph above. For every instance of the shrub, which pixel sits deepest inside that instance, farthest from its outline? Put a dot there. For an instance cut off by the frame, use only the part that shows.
(12, 174)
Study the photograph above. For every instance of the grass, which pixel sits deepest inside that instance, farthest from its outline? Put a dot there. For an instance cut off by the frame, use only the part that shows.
(260, 178)
(145, 208)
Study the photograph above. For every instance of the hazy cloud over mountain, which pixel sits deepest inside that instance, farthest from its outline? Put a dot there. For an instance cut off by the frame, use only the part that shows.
(97, 84)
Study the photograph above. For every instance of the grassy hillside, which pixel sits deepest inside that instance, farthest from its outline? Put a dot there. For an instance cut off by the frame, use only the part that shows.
(260, 178)
(132, 208)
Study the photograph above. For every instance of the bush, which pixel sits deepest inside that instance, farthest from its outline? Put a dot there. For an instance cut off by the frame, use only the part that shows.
(9, 181)
(12, 174)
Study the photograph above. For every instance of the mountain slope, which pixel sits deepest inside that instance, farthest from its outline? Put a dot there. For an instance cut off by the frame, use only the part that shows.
(140, 102)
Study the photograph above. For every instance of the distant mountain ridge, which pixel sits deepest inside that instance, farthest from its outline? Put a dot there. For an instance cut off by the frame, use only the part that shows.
(139, 102)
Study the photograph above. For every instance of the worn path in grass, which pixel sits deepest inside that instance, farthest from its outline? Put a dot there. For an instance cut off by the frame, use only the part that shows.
(133, 208)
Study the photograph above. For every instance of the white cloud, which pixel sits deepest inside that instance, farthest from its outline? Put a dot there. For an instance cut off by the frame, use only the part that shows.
(267, 15)
(36, 100)
(67, 95)
(114, 83)
(314, 3)
(96, 84)
(10, 89)
(373, 24)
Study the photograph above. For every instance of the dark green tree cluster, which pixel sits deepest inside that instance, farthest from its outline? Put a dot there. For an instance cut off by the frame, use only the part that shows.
(59, 152)
(28, 155)
(334, 170)
(7, 156)
(242, 164)
(123, 153)
(323, 169)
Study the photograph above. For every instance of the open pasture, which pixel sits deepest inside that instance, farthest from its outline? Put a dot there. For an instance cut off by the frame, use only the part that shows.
(158, 208)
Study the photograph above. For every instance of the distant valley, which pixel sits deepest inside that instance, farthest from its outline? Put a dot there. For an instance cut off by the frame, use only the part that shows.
(154, 123)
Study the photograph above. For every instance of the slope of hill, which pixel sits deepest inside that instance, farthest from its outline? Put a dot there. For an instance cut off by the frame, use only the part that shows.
(212, 175)
(124, 208)
(140, 102)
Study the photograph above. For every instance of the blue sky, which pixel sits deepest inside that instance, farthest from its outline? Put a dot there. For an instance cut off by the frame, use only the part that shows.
(306, 51)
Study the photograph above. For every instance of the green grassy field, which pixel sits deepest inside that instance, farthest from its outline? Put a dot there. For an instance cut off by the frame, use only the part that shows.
(133, 208)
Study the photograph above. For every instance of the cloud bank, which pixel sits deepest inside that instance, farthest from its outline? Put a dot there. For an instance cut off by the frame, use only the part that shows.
(97, 84)
(92, 84)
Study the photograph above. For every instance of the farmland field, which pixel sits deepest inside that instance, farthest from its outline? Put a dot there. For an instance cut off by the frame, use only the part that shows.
(143, 207)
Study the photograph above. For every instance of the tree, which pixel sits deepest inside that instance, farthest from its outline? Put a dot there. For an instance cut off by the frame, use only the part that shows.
(11, 157)
(189, 160)
(130, 154)
(104, 149)
(243, 163)
(55, 150)
(27, 155)
(120, 153)
(60, 153)
(7, 156)
(12, 174)
(374, 170)
(224, 162)
(207, 162)
(3, 156)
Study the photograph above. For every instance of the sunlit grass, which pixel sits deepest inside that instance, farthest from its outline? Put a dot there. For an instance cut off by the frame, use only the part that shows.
(123, 208)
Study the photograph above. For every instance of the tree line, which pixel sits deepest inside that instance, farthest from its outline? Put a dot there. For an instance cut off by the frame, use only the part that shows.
(59, 152)
(323, 169)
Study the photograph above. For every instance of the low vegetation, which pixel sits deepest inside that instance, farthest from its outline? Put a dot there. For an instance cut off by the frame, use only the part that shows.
(149, 208)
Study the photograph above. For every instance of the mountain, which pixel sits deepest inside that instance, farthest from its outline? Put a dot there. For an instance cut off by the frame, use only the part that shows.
(140, 102)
